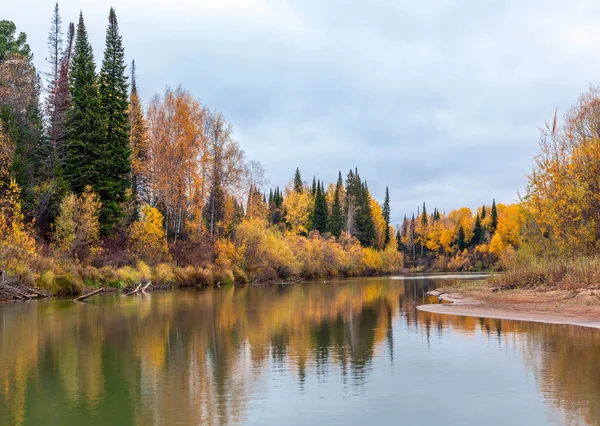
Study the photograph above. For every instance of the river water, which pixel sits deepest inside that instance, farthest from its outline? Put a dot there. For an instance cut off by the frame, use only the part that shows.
(346, 352)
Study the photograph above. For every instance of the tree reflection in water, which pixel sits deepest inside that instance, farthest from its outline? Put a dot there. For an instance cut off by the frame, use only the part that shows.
(201, 357)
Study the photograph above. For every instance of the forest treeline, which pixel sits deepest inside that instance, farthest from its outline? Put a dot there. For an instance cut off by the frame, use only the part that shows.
(95, 189)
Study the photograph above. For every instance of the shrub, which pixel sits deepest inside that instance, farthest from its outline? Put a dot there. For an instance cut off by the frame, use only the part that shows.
(77, 227)
(148, 239)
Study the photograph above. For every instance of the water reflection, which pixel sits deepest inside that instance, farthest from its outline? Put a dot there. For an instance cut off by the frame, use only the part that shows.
(227, 356)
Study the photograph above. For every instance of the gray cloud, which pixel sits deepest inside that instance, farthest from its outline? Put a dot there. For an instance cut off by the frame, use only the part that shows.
(440, 100)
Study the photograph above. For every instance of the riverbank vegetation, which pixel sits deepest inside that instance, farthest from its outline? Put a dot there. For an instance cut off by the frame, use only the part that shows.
(97, 190)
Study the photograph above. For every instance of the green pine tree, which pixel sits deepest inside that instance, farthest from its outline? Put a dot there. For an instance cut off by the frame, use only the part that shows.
(113, 89)
(85, 149)
(386, 217)
(336, 219)
(319, 222)
(478, 233)
(298, 184)
(483, 213)
(424, 219)
(460, 241)
(494, 220)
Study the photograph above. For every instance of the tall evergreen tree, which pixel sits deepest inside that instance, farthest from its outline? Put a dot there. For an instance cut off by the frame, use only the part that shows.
(494, 220)
(59, 104)
(319, 222)
(358, 210)
(477, 232)
(113, 90)
(85, 148)
(461, 239)
(483, 212)
(386, 217)
(54, 59)
(139, 143)
(298, 184)
(336, 219)
(313, 190)
(424, 219)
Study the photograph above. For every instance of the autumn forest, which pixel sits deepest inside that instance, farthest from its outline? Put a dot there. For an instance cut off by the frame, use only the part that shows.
(100, 189)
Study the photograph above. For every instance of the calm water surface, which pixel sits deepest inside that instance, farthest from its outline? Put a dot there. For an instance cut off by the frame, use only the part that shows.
(349, 352)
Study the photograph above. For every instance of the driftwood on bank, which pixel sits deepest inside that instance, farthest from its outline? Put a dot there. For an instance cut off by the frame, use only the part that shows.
(90, 294)
(12, 289)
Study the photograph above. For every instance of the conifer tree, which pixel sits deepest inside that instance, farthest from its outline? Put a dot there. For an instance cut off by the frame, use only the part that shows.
(85, 148)
(59, 104)
(336, 219)
(494, 221)
(298, 184)
(313, 190)
(386, 217)
(54, 59)
(139, 143)
(319, 222)
(483, 213)
(477, 233)
(424, 219)
(460, 241)
(113, 88)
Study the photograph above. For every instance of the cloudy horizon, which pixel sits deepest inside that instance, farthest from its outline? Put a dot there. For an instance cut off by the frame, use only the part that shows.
(441, 101)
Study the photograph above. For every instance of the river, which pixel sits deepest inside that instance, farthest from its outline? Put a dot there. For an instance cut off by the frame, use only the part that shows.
(344, 352)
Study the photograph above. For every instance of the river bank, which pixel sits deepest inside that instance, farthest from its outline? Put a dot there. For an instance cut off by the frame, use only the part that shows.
(579, 307)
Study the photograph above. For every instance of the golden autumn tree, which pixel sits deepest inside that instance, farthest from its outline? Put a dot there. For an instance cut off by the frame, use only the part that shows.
(17, 245)
(563, 194)
(298, 207)
(77, 227)
(178, 160)
(148, 239)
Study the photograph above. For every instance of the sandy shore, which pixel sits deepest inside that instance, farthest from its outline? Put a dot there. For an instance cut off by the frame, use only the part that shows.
(557, 307)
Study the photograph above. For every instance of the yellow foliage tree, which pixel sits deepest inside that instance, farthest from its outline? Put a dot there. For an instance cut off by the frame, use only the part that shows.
(378, 221)
(563, 195)
(17, 246)
(298, 207)
(77, 227)
(148, 239)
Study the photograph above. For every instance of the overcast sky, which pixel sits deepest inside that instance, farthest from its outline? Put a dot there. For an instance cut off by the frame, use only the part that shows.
(439, 99)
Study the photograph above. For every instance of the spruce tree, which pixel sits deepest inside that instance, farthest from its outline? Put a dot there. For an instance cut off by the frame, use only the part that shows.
(139, 147)
(494, 220)
(336, 220)
(319, 222)
(483, 212)
(113, 89)
(85, 148)
(386, 217)
(54, 59)
(298, 184)
(364, 218)
(477, 233)
(460, 241)
(424, 219)
(313, 190)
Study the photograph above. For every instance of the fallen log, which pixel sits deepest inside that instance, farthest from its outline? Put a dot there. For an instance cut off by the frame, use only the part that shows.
(146, 287)
(134, 291)
(85, 296)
